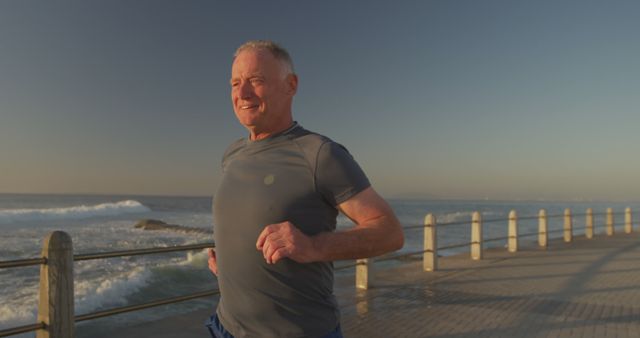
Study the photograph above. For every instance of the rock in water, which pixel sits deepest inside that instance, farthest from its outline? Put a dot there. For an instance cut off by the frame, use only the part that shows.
(150, 224)
(154, 224)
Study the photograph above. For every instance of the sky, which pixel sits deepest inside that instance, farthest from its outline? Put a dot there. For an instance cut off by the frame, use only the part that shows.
(460, 99)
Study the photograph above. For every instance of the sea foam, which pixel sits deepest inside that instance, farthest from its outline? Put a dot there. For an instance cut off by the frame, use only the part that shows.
(74, 212)
(110, 291)
(90, 294)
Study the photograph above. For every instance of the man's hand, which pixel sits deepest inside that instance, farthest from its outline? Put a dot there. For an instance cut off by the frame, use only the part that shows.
(213, 262)
(376, 231)
(281, 240)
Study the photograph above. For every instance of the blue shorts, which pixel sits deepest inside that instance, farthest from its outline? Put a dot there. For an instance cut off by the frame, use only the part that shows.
(218, 331)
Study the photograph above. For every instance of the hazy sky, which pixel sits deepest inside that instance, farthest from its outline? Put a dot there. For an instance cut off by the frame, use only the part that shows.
(451, 99)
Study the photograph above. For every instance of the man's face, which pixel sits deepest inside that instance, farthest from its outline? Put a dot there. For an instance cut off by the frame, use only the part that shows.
(261, 92)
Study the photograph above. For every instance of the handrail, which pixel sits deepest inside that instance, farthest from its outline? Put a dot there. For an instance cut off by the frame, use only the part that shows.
(529, 217)
(21, 329)
(494, 239)
(392, 257)
(460, 245)
(358, 264)
(124, 309)
(388, 258)
(493, 220)
(446, 247)
(114, 311)
(530, 234)
(346, 266)
(111, 254)
(22, 262)
(454, 246)
(411, 227)
(506, 218)
(430, 227)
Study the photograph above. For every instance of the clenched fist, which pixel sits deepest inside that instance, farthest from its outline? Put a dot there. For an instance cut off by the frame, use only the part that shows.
(281, 240)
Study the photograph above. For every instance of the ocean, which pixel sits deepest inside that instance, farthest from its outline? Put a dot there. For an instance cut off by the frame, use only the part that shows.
(98, 223)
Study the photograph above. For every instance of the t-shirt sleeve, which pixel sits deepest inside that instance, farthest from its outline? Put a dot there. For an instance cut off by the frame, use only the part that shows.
(338, 175)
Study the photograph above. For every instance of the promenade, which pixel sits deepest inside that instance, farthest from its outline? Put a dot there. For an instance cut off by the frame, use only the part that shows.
(586, 288)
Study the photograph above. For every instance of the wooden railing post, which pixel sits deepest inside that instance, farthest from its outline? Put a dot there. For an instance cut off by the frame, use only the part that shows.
(628, 227)
(513, 231)
(610, 228)
(430, 256)
(364, 273)
(56, 287)
(476, 236)
(588, 230)
(568, 226)
(542, 228)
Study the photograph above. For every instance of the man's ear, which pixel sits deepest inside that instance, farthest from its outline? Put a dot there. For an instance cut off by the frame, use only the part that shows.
(292, 84)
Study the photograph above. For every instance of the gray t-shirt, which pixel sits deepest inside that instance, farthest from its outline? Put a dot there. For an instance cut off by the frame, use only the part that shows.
(295, 176)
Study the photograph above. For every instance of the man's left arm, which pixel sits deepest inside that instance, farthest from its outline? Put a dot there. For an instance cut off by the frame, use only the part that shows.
(376, 231)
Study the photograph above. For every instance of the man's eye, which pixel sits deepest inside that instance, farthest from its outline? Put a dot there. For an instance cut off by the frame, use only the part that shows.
(256, 81)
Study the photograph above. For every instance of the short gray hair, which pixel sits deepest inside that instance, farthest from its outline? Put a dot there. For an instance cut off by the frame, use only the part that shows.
(276, 50)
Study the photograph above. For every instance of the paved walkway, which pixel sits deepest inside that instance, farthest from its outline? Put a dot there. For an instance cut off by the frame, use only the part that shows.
(587, 288)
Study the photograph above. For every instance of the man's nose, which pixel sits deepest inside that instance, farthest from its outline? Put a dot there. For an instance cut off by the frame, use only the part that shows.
(246, 90)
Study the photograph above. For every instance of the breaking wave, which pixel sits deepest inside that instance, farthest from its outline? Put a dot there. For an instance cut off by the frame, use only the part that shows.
(75, 212)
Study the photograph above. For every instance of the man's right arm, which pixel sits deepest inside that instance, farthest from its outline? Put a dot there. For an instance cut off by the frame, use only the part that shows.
(376, 231)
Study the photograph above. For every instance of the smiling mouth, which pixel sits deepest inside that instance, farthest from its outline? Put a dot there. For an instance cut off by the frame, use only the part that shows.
(249, 106)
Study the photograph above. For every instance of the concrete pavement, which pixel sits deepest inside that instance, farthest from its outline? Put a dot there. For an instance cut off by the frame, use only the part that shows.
(587, 288)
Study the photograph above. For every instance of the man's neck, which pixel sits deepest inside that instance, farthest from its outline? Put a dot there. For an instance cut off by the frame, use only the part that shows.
(257, 135)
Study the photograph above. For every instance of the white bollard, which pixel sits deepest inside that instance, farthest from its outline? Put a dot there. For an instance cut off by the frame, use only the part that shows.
(513, 231)
(568, 226)
(430, 255)
(610, 227)
(364, 273)
(588, 230)
(542, 228)
(476, 236)
(56, 308)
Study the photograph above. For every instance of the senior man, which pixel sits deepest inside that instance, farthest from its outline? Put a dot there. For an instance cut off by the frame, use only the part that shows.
(276, 207)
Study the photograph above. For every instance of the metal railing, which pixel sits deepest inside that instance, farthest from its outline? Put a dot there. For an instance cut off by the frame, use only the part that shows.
(430, 250)
(57, 258)
(55, 247)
